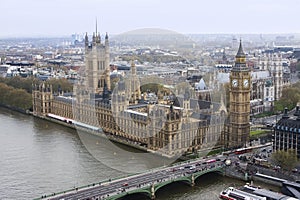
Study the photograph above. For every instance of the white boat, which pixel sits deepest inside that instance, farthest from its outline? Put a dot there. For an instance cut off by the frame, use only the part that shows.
(250, 192)
(232, 193)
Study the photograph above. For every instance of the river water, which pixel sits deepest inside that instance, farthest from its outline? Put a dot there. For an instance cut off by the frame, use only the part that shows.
(38, 157)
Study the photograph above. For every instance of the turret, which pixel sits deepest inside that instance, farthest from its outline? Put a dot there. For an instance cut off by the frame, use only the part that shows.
(98, 38)
(133, 68)
(106, 37)
(106, 41)
(94, 39)
(86, 40)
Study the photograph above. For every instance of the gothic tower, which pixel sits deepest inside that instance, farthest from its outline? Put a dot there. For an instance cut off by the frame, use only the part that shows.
(239, 96)
(42, 97)
(97, 71)
(133, 85)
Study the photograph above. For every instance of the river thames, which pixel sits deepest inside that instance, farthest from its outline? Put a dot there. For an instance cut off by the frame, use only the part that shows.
(40, 157)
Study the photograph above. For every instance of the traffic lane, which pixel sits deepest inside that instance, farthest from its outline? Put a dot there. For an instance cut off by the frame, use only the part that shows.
(134, 184)
(108, 189)
(157, 175)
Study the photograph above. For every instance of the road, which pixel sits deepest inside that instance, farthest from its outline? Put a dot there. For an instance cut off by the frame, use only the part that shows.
(104, 190)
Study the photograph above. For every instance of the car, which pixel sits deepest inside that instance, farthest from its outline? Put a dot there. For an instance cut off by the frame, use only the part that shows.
(295, 170)
(277, 167)
(125, 184)
(269, 125)
(192, 167)
(269, 151)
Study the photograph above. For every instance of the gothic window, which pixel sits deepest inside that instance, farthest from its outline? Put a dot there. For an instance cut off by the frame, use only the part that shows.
(98, 64)
(90, 65)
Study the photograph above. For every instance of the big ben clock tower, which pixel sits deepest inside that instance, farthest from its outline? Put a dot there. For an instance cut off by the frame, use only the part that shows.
(239, 97)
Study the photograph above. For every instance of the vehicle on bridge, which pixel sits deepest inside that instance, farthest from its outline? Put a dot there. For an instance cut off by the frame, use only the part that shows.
(210, 161)
(262, 162)
(243, 150)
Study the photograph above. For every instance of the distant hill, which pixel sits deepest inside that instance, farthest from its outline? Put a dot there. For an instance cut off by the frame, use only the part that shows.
(154, 37)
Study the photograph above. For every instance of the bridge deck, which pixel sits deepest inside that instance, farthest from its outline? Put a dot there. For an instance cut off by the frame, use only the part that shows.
(148, 182)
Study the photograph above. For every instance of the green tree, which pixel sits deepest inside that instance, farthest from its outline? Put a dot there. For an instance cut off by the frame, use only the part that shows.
(152, 87)
(21, 83)
(290, 98)
(18, 98)
(62, 83)
(287, 160)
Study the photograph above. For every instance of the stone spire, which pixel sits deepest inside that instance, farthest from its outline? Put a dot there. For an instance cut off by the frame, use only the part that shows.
(86, 40)
(240, 51)
(133, 68)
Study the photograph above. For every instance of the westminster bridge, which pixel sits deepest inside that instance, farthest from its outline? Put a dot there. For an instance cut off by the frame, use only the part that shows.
(147, 183)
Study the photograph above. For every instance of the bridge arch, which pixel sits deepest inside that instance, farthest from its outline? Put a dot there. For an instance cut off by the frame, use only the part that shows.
(144, 192)
(199, 174)
(185, 180)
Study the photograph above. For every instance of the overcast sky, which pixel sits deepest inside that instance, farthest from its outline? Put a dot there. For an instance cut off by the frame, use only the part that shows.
(64, 17)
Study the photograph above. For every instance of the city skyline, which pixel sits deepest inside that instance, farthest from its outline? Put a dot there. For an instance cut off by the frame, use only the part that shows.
(64, 17)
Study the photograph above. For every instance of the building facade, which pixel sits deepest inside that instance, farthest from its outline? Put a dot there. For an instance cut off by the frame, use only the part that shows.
(166, 127)
(273, 63)
(287, 132)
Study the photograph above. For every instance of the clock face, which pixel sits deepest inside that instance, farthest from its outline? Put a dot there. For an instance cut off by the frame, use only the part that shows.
(234, 83)
(246, 83)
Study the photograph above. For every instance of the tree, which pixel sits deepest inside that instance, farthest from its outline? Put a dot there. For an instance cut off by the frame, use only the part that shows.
(60, 84)
(290, 98)
(18, 98)
(151, 87)
(287, 160)
(20, 83)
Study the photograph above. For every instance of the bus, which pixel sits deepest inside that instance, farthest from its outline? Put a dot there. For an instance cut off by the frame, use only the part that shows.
(243, 150)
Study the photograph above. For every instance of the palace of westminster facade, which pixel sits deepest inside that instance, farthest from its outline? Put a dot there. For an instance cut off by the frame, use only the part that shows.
(166, 127)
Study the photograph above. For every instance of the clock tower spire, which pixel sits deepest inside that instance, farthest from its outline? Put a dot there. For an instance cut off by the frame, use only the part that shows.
(239, 96)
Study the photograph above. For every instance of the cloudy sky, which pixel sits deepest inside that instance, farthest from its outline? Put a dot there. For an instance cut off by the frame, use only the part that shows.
(64, 17)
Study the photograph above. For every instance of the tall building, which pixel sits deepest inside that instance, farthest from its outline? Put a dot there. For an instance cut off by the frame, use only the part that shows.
(133, 86)
(239, 97)
(97, 71)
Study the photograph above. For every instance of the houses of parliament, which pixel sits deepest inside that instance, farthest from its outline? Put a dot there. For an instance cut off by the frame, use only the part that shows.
(185, 124)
